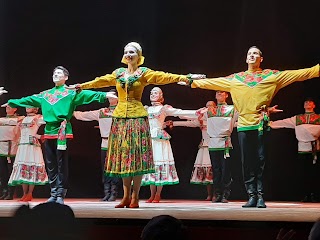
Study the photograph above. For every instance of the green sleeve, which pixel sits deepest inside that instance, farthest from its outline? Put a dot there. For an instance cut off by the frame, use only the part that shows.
(34, 101)
(88, 96)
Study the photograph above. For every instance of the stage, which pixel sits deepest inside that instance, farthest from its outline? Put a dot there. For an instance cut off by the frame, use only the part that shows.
(202, 218)
(184, 209)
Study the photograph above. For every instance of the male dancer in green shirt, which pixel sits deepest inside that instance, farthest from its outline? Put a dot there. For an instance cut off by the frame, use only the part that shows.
(58, 105)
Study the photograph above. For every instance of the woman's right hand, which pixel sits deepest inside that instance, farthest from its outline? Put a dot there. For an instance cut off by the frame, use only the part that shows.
(190, 78)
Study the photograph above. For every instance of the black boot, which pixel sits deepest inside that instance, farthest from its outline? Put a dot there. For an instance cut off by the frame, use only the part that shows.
(252, 202)
(260, 202)
(10, 193)
(217, 197)
(217, 193)
(53, 193)
(114, 193)
(306, 198)
(226, 194)
(4, 194)
(313, 198)
(107, 191)
(61, 196)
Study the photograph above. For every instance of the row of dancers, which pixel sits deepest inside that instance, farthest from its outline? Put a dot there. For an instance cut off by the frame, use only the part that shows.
(129, 152)
(28, 165)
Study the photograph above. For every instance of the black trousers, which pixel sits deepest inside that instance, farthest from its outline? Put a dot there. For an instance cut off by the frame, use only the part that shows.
(308, 174)
(221, 172)
(106, 180)
(57, 167)
(5, 171)
(252, 149)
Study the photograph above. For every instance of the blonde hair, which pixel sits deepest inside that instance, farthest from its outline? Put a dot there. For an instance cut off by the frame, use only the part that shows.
(138, 48)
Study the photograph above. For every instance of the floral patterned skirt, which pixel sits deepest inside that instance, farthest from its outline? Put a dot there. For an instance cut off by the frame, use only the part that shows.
(29, 167)
(202, 170)
(165, 170)
(129, 148)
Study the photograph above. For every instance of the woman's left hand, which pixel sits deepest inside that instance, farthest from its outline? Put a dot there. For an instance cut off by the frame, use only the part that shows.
(2, 90)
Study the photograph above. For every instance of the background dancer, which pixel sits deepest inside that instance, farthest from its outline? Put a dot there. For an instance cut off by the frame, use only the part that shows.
(307, 131)
(9, 139)
(104, 118)
(165, 170)
(29, 168)
(202, 169)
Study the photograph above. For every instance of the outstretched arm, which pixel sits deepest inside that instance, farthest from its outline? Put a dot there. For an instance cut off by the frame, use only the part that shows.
(188, 123)
(88, 96)
(34, 101)
(218, 84)
(161, 78)
(285, 78)
(284, 123)
(175, 112)
(9, 121)
(99, 82)
(87, 116)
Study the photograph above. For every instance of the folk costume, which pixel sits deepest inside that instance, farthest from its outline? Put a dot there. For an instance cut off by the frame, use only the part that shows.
(250, 90)
(220, 123)
(165, 170)
(9, 139)
(307, 131)
(57, 105)
(29, 167)
(130, 148)
(202, 169)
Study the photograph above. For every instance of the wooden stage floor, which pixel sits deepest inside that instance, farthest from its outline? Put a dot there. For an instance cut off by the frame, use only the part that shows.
(184, 209)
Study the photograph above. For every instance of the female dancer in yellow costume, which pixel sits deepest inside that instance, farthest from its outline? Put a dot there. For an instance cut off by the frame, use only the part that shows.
(130, 148)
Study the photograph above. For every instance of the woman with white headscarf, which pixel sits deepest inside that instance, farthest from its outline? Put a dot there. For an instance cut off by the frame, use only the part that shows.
(165, 170)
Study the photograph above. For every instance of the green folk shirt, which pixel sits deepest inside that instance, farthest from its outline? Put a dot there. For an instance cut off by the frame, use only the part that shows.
(57, 105)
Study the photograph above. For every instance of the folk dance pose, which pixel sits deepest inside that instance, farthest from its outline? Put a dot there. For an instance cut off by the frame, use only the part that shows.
(130, 150)
(58, 105)
(9, 138)
(165, 170)
(307, 130)
(104, 118)
(202, 169)
(29, 168)
(250, 90)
